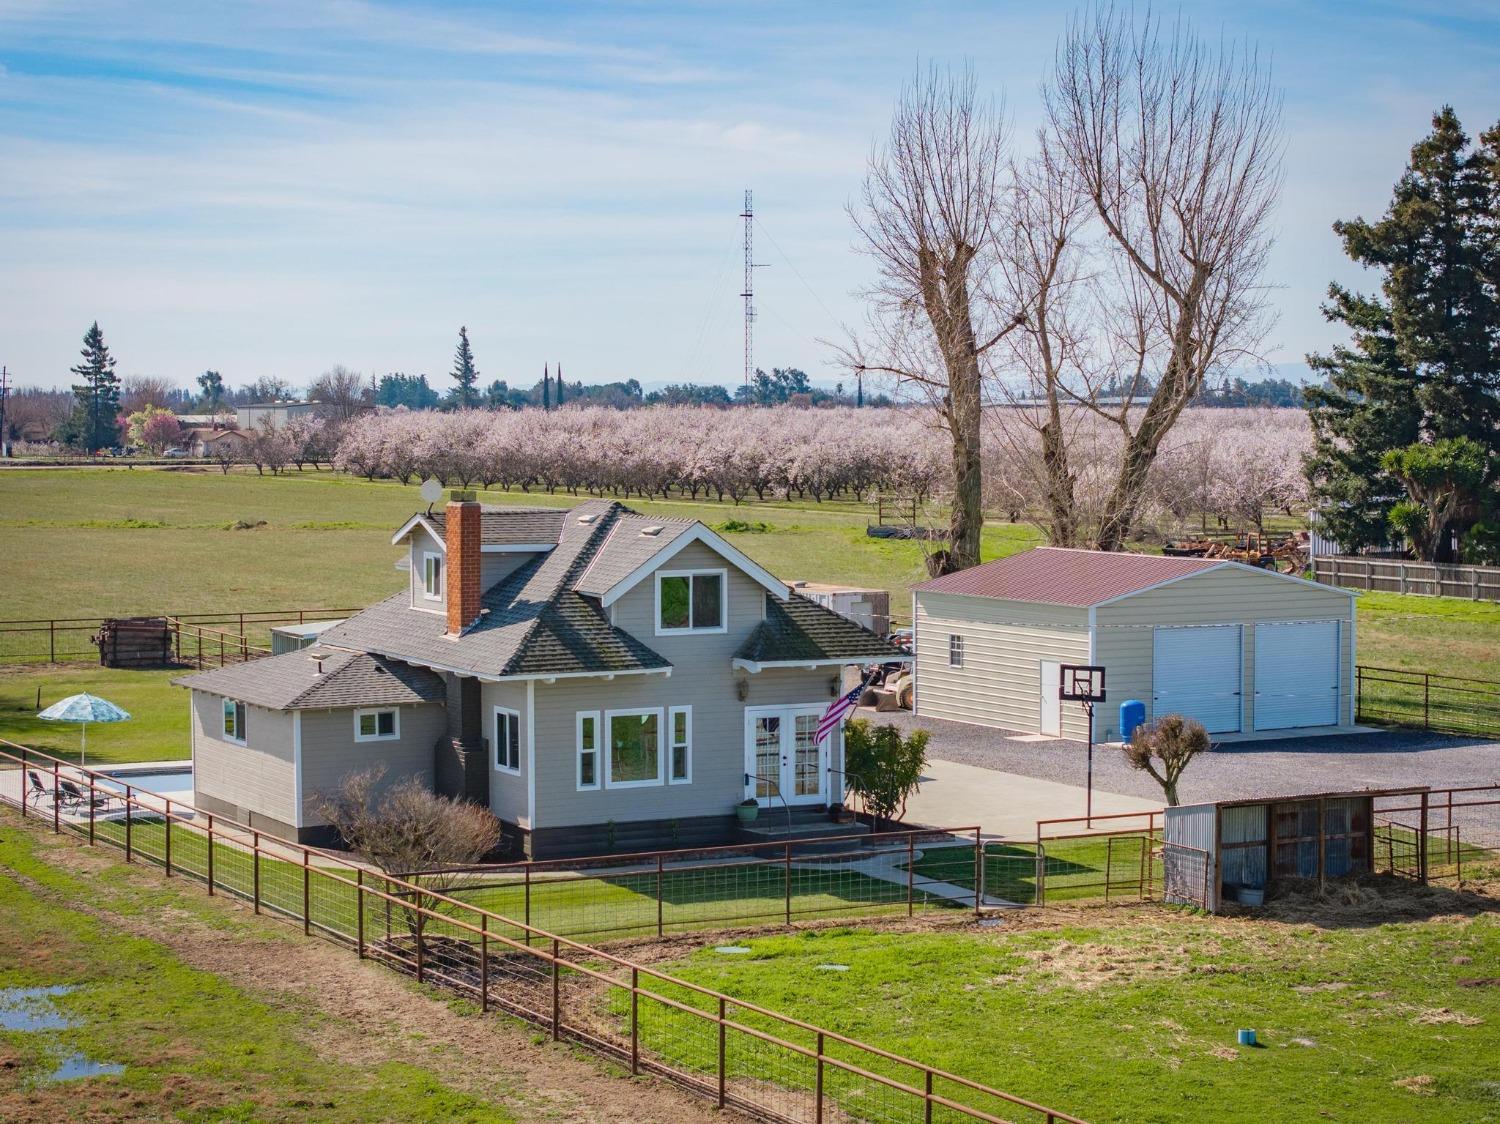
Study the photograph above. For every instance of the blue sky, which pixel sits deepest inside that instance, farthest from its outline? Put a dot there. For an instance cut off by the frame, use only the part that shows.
(276, 187)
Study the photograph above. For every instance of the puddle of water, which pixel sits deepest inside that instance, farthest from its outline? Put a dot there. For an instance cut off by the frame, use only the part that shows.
(76, 1067)
(732, 949)
(31, 1008)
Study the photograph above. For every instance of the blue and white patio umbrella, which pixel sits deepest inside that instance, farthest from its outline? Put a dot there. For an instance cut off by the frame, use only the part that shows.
(84, 708)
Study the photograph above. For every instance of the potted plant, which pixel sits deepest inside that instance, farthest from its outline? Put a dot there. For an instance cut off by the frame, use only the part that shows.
(747, 809)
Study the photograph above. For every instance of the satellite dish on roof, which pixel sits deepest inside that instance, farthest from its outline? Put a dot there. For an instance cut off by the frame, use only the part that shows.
(432, 491)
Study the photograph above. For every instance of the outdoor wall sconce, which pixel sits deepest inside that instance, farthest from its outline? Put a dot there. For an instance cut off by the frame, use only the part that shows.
(833, 687)
(742, 688)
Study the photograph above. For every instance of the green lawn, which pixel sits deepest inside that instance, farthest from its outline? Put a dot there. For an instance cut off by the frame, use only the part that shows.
(158, 726)
(1445, 635)
(194, 1046)
(1073, 869)
(1132, 1016)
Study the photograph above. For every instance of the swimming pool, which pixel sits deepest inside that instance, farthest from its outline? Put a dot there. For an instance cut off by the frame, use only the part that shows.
(178, 784)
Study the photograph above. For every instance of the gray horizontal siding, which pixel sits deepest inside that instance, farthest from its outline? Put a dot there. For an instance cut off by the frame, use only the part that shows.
(330, 753)
(259, 776)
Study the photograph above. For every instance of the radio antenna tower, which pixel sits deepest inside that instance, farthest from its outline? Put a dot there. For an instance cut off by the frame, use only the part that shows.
(748, 214)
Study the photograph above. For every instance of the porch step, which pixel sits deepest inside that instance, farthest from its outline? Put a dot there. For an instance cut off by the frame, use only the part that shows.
(810, 833)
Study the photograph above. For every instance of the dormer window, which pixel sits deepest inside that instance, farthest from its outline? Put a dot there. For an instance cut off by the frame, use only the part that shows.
(690, 601)
(432, 577)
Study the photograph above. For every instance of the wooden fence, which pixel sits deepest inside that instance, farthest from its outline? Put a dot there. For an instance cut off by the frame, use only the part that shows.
(1399, 575)
(70, 639)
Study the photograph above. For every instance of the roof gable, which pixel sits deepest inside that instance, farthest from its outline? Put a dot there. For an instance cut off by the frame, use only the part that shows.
(301, 681)
(629, 558)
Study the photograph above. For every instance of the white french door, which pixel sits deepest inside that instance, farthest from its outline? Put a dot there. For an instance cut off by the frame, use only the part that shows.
(782, 755)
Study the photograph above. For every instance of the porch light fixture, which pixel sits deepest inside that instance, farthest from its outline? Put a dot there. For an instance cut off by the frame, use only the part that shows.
(742, 688)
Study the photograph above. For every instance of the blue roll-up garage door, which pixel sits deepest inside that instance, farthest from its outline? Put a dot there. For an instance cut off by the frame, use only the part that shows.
(1198, 672)
(1296, 675)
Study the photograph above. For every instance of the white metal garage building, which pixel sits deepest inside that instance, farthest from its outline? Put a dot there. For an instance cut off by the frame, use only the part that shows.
(1248, 652)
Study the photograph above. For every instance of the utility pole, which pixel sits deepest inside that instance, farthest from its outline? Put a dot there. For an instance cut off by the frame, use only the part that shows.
(748, 214)
(4, 393)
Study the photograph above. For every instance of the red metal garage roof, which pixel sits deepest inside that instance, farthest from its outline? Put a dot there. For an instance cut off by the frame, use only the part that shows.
(1056, 576)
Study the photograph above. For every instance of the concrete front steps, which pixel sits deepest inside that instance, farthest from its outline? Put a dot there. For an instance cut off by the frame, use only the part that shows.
(809, 830)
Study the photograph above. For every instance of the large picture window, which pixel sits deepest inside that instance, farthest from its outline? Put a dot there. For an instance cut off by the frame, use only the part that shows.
(588, 749)
(507, 740)
(234, 721)
(635, 748)
(690, 601)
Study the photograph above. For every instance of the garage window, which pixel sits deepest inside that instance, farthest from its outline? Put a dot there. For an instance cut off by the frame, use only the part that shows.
(234, 721)
(955, 650)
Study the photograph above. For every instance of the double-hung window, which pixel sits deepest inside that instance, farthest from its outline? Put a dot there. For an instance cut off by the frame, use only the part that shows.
(234, 721)
(432, 577)
(634, 748)
(377, 725)
(588, 749)
(955, 650)
(690, 601)
(680, 731)
(507, 740)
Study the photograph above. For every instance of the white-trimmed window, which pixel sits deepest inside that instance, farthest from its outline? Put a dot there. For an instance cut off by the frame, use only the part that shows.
(588, 749)
(507, 740)
(633, 748)
(234, 721)
(955, 650)
(382, 725)
(691, 601)
(432, 576)
(680, 742)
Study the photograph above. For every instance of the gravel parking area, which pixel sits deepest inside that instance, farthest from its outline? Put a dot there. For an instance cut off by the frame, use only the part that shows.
(1388, 759)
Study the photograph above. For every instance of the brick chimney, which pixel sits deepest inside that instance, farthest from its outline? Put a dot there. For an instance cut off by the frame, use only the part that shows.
(462, 533)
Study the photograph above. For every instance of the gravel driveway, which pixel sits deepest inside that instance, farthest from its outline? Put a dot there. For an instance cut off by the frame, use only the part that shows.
(1388, 759)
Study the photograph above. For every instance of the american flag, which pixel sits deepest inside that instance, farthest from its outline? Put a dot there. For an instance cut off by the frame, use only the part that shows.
(836, 711)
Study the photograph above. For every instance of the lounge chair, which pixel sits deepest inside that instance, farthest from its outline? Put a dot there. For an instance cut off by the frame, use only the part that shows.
(39, 791)
(72, 794)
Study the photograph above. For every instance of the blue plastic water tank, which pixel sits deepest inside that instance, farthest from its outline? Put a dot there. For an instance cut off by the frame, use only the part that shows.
(1132, 714)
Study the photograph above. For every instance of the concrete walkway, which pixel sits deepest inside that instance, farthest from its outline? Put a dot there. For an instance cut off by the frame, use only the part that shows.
(890, 866)
(1007, 805)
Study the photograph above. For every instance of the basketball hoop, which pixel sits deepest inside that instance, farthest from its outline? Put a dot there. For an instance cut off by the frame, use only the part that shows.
(1084, 684)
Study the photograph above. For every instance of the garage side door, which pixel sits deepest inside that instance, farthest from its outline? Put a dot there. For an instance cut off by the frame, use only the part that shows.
(1197, 672)
(1296, 675)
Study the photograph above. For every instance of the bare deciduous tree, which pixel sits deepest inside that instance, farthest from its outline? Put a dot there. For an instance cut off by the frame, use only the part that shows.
(1176, 145)
(346, 392)
(139, 391)
(410, 831)
(932, 198)
(1171, 740)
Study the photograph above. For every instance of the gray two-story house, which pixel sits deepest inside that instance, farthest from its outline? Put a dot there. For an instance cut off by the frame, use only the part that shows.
(597, 677)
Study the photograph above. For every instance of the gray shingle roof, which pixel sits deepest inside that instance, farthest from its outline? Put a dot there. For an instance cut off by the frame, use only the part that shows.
(534, 622)
(507, 526)
(292, 681)
(801, 629)
(628, 548)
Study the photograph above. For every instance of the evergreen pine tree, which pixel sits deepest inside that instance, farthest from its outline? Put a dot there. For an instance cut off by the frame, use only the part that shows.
(95, 423)
(559, 385)
(1423, 364)
(546, 388)
(465, 374)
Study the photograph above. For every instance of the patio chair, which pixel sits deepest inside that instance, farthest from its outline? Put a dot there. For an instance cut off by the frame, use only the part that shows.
(73, 794)
(39, 791)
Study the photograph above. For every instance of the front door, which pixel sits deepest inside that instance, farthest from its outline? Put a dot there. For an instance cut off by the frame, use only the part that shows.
(783, 757)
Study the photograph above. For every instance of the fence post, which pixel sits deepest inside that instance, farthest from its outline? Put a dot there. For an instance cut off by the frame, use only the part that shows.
(51, 641)
(210, 820)
(24, 771)
(556, 994)
(635, 1019)
(93, 799)
(56, 799)
(911, 877)
(128, 838)
(1041, 873)
(1426, 700)
(255, 867)
(818, 1083)
(788, 861)
(359, 905)
(484, 962)
(526, 871)
(307, 911)
(167, 831)
(978, 871)
(1422, 843)
(723, 1074)
(658, 895)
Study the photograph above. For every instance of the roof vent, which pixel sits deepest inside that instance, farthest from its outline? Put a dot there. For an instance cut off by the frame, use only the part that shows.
(586, 519)
(651, 531)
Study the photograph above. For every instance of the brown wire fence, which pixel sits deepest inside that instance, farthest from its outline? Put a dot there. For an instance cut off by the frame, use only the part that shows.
(737, 1054)
(1450, 704)
(70, 639)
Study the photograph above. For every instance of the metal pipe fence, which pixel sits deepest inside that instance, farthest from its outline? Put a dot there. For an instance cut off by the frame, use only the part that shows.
(1447, 835)
(1451, 704)
(737, 1054)
(69, 639)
